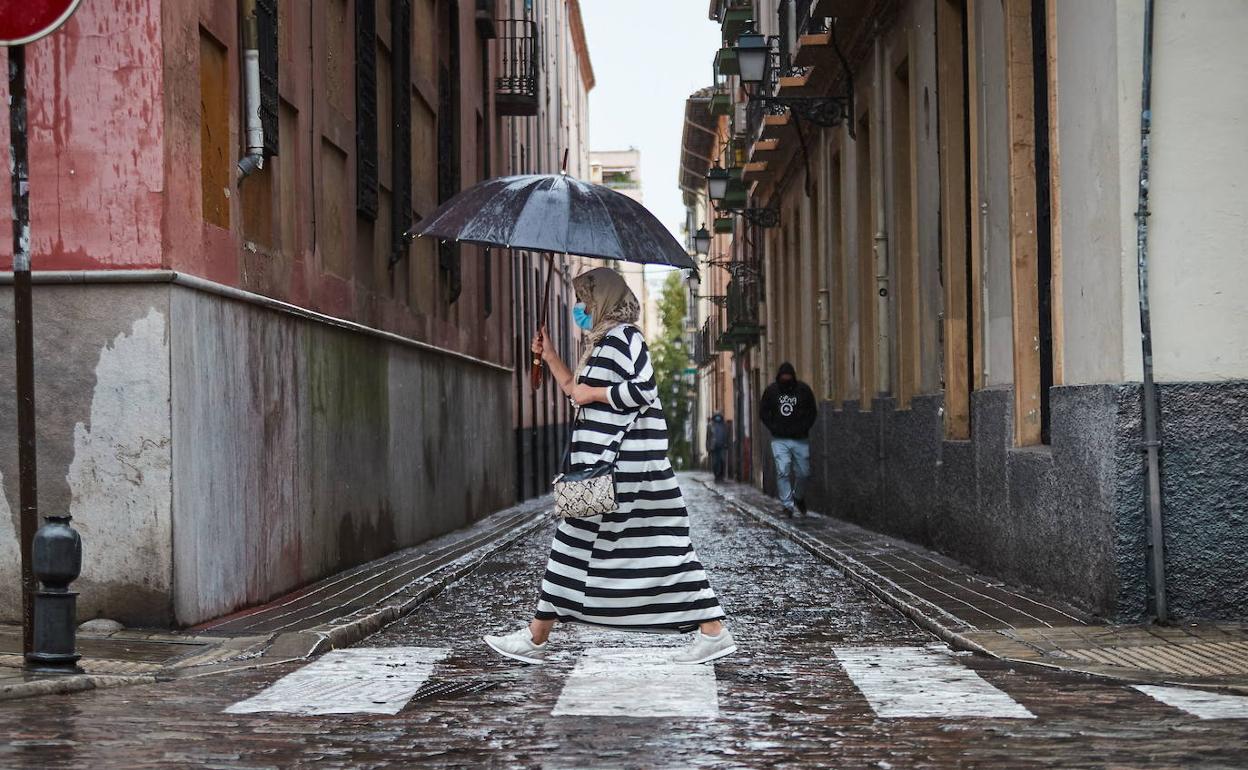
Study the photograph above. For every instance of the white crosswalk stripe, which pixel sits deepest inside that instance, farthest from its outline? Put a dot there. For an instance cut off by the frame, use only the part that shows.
(364, 680)
(637, 683)
(924, 682)
(1199, 703)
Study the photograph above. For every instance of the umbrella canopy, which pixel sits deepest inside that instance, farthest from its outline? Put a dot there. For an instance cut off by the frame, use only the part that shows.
(558, 214)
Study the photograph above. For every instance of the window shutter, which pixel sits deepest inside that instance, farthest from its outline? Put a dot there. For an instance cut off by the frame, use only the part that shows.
(366, 109)
(401, 71)
(266, 27)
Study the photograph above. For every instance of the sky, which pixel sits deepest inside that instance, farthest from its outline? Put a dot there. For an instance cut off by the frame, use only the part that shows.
(648, 56)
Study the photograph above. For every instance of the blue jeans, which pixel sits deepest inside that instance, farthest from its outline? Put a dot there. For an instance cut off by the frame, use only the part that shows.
(792, 456)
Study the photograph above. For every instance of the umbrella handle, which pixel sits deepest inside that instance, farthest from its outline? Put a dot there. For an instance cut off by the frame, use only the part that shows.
(536, 370)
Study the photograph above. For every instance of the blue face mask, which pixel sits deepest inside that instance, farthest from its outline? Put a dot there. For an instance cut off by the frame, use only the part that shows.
(581, 318)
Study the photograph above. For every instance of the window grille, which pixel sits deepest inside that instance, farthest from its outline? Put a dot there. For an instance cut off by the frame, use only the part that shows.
(266, 27)
(401, 112)
(366, 109)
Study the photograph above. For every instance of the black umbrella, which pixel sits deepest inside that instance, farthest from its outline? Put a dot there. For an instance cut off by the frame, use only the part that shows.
(557, 214)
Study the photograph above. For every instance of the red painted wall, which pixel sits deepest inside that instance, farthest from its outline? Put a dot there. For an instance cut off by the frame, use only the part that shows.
(95, 141)
(115, 110)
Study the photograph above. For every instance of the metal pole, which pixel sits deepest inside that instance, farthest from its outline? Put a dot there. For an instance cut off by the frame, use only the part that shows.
(1152, 444)
(23, 338)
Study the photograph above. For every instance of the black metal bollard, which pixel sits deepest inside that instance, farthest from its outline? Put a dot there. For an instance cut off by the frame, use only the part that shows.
(57, 556)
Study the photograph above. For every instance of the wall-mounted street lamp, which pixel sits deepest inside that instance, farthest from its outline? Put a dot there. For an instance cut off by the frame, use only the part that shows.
(702, 241)
(754, 56)
(717, 180)
(753, 53)
(737, 268)
(718, 300)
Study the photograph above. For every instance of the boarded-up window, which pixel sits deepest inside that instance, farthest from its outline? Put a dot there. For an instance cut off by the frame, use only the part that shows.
(216, 162)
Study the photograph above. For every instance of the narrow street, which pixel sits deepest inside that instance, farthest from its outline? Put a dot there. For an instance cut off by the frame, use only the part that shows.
(827, 677)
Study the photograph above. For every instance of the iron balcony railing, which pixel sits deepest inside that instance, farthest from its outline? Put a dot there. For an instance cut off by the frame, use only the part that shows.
(743, 327)
(517, 85)
(703, 352)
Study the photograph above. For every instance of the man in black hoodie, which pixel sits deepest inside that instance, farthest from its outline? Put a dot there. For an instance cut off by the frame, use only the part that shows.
(788, 409)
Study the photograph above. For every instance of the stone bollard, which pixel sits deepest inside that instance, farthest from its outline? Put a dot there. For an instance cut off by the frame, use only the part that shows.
(57, 560)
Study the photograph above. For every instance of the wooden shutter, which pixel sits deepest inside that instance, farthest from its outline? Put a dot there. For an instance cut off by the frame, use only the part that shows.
(366, 109)
(401, 110)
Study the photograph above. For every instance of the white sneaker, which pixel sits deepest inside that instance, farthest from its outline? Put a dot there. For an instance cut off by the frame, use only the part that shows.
(704, 649)
(518, 646)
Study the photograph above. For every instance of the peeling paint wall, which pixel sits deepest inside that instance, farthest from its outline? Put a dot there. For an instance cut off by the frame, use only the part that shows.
(102, 408)
(95, 135)
(215, 454)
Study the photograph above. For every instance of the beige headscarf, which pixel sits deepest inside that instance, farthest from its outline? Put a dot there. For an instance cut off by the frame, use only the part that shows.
(609, 301)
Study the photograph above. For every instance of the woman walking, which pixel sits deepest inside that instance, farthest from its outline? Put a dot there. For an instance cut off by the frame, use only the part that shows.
(634, 568)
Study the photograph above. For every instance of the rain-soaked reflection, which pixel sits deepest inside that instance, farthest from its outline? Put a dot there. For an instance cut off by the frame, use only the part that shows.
(783, 701)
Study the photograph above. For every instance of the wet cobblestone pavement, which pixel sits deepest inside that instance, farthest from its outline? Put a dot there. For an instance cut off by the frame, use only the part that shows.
(785, 700)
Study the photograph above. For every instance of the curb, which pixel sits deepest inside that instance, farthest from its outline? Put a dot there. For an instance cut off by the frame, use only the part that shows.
(948, 628)
(365, 623)
(299, 645)
(71, 683)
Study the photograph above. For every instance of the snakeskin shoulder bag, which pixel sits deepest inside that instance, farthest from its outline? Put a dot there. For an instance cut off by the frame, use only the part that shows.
(588, 491)
(584, 492)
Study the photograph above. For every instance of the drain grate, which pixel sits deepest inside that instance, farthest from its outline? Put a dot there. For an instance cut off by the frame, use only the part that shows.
(443, 690)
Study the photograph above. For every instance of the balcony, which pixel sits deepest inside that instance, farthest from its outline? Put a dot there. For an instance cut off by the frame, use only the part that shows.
(517, 85)
(734, 16)
(742, 309)
(703, 352)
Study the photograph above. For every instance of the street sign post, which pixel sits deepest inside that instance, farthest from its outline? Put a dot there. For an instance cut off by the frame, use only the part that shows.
(25, 21)
(52, 553)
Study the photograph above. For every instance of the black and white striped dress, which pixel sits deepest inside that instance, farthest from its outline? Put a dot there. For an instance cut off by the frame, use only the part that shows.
(634, 568)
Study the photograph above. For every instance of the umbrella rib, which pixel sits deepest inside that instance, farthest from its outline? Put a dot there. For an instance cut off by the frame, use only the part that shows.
(606, 214)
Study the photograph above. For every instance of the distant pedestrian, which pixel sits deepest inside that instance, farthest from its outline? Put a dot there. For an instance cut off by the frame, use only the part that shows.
(717, 445)
(788, 409)
(633, 568)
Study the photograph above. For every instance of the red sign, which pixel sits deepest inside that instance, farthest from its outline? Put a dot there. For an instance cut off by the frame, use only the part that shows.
(24, 21)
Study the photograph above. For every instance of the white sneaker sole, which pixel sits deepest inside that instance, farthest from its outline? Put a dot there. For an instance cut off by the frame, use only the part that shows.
(512, 655)
(713, 656)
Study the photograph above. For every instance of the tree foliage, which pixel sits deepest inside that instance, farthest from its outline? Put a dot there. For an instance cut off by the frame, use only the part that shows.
(670, 361)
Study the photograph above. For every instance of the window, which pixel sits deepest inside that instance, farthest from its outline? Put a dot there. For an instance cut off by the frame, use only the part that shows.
(266, 28)
(836, 253)
(955, 215)
(366, 109)
(1030, 214)
(401, 115)
(905, 237)
(448, 140)
(865, 364)
(215, 158)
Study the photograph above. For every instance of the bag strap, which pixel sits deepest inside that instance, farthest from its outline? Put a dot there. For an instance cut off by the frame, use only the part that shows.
(564, 463)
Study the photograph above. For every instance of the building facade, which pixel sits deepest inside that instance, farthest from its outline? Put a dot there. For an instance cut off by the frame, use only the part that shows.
(245, 383)
(953, 267)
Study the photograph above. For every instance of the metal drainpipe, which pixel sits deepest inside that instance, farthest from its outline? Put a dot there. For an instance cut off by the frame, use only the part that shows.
(1152, 444)
(254, 159)
(883, 355)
